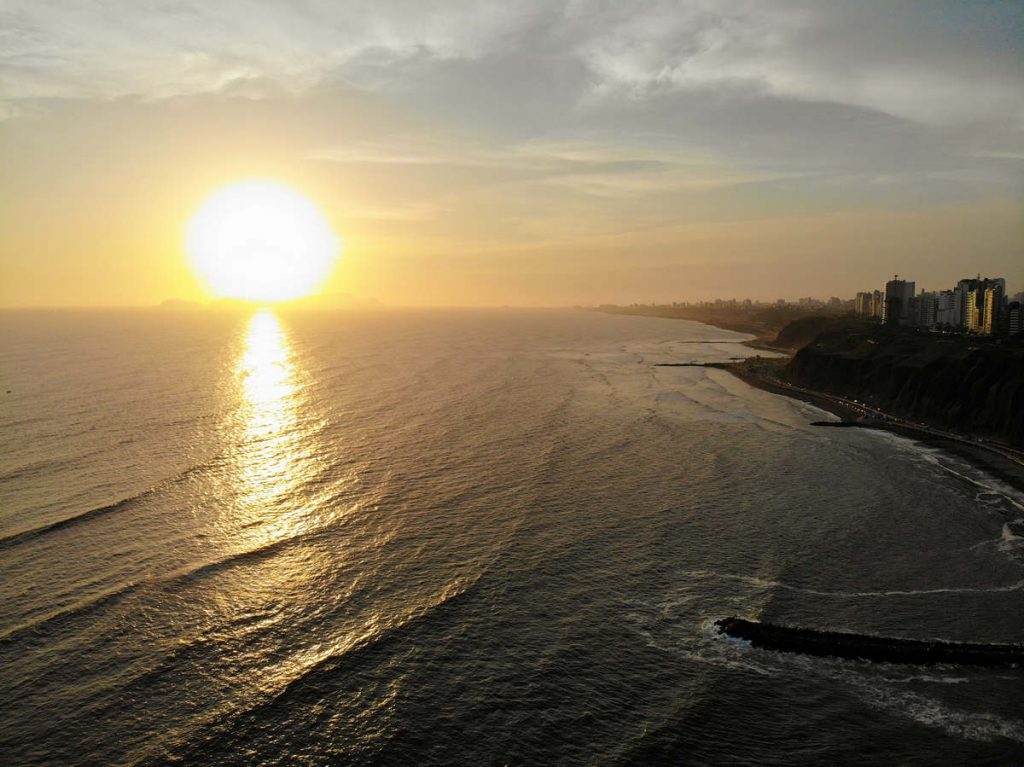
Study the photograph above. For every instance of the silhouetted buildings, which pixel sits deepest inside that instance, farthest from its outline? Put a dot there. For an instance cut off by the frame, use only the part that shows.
(927, 309)
(995, 306)
(976, 305)
(948, 308)
(862, 304)
(982, 301)
(898, 308)
(1014, 319)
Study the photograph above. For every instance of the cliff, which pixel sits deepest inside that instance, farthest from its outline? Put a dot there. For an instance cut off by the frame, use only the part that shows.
(970, 385)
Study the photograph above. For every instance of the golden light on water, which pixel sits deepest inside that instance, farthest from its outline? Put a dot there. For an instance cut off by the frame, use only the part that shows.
(278, 454)
(261, 241)
(273, 448)
(265, 369)
(278, 457)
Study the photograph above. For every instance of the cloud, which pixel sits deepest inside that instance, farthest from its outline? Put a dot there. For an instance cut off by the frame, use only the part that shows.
(647, 111)
(935, 62)
(157, 49)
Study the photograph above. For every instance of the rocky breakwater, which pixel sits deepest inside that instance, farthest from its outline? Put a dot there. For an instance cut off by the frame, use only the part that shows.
(839, 644)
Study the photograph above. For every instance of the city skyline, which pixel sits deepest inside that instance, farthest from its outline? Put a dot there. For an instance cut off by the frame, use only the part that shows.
(851, 296)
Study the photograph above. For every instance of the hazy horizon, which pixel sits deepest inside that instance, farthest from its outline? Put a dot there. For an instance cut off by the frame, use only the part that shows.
(538, 155)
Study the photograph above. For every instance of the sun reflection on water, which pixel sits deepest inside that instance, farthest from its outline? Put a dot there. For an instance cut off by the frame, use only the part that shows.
(273, 456)
(265, 367)
(283, 493)
(282, 482)
(290, 592)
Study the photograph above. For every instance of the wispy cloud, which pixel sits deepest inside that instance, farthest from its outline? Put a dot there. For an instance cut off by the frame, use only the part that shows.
(792, 83)
(936, 62)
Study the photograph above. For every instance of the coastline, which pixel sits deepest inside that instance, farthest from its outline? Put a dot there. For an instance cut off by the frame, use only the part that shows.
(989, 457)
(1004, 462)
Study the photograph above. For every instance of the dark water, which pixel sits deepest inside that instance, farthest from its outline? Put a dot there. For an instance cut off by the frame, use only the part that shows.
(486, 537)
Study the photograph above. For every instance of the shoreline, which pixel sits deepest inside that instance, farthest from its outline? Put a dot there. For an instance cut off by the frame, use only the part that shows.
(1004, 462)
(1000, 460)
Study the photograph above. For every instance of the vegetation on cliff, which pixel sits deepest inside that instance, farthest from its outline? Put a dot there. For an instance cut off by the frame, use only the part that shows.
(804, 330)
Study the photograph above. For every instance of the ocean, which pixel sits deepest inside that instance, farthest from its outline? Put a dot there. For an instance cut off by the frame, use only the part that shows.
(470, 537)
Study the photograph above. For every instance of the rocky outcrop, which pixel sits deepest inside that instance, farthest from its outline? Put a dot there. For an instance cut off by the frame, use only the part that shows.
(968, 385)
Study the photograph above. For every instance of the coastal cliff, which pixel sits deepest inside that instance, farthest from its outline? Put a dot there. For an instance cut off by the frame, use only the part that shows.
(970, 385)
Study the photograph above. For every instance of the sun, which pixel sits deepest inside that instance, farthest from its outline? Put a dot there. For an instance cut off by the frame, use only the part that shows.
(260, 240)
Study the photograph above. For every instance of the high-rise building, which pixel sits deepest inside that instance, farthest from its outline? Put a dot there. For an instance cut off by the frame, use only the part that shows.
(862, 304)
(993, 308)
(948, 308)
(927, 309)
(975, 307)
(877, 303)
(976, 318)
(899, 301)
(967, 316)
(1014, 319)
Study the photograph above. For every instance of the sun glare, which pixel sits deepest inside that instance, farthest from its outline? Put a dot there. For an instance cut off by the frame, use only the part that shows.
(261, 241)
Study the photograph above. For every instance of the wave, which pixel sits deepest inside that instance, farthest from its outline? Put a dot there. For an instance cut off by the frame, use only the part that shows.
(60, 524)
(217, 730)
(766, 583)
(76, 610)
(194, 571)
(33, 469)
(375, 638)
(35, 532)
(986, 483)
(182, 575)
(927, 711)
(189, 572)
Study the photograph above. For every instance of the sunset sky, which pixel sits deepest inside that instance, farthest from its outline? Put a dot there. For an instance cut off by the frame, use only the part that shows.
(523, 153)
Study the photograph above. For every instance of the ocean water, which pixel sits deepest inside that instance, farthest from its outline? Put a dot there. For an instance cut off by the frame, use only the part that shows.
(470, 537)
